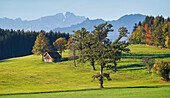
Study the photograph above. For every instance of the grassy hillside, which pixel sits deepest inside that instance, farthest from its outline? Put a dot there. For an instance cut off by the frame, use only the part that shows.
(29, 74)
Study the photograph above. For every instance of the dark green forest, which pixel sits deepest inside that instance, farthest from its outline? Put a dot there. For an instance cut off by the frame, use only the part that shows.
(20, 43)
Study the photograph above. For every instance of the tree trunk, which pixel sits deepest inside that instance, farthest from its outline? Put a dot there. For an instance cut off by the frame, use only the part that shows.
(74, 56)
(167, 77)
(74, 62)
(81, 57)
(149, 70)
(61, 54)
(92, 64)
(115, 64)
(101, 77)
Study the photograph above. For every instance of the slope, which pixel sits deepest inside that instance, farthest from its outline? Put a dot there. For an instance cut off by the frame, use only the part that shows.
(29, 74)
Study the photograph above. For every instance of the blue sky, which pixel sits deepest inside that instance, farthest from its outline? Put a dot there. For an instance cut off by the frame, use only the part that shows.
(105, 9)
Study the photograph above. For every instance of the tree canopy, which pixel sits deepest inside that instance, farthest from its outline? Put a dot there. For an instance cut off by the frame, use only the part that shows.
(41, 45)
(152, 31)
(96, 47)
(60, 44)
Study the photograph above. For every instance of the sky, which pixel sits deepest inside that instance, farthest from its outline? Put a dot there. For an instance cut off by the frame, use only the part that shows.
(105, 9)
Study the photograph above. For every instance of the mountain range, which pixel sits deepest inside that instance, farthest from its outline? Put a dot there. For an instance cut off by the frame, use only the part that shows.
(127, 21)
(67, 22)
(46, 23)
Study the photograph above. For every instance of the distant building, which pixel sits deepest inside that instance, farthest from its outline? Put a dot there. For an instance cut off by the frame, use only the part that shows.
(52, 57)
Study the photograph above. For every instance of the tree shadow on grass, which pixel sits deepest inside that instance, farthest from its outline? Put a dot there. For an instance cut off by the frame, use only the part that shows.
(133, 69)
(130, 66)
(140, 56)
(69, 58)
(5, 60)
(2, 61)
(135, 87)
(85, 90)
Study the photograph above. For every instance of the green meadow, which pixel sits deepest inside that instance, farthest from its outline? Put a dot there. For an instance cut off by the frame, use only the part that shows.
(28, 75)
(146, 92)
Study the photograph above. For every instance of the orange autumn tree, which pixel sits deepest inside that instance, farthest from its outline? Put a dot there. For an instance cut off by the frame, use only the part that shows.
(60, 44)
(147, 34)
(166, 32)
(152, 31)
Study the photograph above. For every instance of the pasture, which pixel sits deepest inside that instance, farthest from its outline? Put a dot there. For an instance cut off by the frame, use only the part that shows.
(28, 75)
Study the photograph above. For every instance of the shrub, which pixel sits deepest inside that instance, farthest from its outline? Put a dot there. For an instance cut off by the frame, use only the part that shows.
(162, 68)
(148, 61)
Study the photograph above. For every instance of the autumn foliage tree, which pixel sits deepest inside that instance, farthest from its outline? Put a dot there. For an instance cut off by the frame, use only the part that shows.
(166, 34)
(60, 44)
(41, 45)
(152, 31)
(162, 68)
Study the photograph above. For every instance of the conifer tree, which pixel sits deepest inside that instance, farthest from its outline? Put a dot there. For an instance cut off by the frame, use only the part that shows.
(134, 28)
(41, 45)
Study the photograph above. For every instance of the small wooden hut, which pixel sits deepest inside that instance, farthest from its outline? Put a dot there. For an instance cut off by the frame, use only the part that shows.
(52, 57)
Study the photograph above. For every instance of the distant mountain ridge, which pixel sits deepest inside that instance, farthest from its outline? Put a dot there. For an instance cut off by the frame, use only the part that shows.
(127, 21)
(67, 22)
(44, 23)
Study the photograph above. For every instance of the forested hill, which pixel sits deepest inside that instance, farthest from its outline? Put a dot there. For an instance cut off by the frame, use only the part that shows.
(152, 31)
(19, 43)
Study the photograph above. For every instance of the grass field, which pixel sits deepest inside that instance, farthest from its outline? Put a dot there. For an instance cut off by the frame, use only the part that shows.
(29, 74)
(156, 92)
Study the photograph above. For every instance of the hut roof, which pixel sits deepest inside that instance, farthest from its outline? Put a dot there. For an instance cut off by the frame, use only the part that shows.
(53, 54)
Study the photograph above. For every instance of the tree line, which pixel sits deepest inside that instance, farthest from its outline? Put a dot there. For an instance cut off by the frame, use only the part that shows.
(152, 31)
(19, 43)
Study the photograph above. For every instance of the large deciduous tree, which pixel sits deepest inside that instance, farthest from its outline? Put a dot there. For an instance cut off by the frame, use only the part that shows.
(104, 50)
(79, 39)
(96, 47)
(60, 44)
(41, 45)
(117, 47)
(71, 45)
(100, 47)
(88, 50)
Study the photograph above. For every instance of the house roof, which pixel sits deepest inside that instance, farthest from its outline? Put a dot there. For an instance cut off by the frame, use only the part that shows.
(53, 54)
